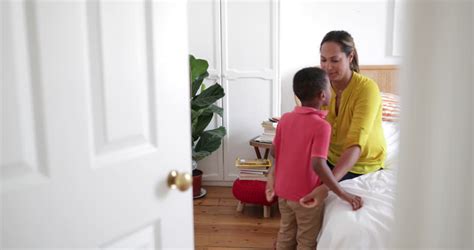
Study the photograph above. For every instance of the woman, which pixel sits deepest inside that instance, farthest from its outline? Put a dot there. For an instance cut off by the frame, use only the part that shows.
(355, 113)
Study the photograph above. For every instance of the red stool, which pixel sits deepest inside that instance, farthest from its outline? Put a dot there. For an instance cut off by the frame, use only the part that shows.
(253, 192)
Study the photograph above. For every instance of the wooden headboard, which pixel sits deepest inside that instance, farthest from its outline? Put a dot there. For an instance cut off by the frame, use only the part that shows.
(386, 76)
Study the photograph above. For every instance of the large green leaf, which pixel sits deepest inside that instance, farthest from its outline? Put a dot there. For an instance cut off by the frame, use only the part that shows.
(208, 96)
(194, 115)
(201, 122)
(197, 83)
(216, 109)
(210, 140)
(198, 67)
(194, 121)
(202, 110)
(200, 155)
(201, 118)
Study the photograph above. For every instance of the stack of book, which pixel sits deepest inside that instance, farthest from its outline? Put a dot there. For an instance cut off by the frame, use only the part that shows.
(269, 130)
(256, 169)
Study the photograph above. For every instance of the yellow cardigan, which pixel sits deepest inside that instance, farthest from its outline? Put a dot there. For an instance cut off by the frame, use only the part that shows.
(359, 122)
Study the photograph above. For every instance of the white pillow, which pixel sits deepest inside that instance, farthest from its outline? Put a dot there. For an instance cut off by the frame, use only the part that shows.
(392, 136)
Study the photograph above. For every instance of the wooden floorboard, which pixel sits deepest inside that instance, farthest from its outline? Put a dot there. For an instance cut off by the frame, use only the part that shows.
(218, 226)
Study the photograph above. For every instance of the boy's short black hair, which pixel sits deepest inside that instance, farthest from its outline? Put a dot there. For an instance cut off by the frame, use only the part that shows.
(309, 82)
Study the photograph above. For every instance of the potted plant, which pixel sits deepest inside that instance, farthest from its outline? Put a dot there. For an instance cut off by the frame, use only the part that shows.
(204, 142)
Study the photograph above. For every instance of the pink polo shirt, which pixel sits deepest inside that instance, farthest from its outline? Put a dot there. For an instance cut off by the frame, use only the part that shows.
(300, 135)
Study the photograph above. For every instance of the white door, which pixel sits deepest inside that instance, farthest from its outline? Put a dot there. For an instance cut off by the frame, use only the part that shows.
(94, 116)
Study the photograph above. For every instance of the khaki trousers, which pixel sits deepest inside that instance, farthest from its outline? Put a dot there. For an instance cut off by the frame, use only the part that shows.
(299, 226)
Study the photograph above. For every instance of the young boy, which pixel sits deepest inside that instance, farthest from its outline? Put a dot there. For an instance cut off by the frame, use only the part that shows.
(300, 148)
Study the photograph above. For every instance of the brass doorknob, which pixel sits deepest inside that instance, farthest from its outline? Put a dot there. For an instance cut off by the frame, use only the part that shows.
(181, 181)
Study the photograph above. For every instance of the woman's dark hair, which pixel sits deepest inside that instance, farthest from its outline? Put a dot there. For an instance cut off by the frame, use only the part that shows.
(309, 82)
(345, 40)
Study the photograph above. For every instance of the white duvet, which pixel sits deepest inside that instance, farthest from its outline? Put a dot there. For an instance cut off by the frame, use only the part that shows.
(368, 227)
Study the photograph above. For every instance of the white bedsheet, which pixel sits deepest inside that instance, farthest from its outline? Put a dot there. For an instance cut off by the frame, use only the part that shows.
(369, 227)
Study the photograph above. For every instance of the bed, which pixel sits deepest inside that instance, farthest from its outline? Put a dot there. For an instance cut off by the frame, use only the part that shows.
(369, 227)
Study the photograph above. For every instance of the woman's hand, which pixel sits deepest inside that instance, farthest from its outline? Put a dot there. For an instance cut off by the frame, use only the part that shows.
(354, 200)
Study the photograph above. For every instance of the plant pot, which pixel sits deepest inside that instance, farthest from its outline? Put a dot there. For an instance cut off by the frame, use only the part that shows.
(198, 191)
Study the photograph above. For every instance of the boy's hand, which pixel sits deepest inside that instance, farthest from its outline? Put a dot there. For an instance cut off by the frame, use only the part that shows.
(308, 202)
(354, 200)
(314, 198)
(269, 192)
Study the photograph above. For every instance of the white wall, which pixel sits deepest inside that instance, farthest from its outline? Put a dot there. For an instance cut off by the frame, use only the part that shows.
(303, 25)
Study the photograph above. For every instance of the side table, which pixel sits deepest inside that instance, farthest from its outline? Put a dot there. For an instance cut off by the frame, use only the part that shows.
(257, 145)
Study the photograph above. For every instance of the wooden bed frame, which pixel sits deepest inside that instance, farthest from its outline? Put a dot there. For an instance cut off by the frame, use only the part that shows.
(386, 76)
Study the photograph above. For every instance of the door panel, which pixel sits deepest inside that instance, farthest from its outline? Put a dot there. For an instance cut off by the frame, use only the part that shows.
(251, 27)
(22, 154)
(240, 41)
(122, 84)
(94, 117)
